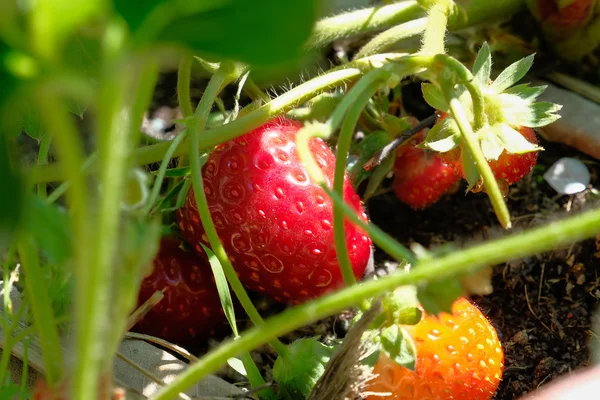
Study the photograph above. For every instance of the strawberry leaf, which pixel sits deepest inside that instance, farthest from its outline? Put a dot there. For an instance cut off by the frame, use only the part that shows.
(482, 68)
(399, 346)
(470, 169)
(536, 115)
(526, 92)
(512, 74)
(514, 142)
(438, 296)
(443, 137)
(222, 288)
(298, 370)
(434, 97)
(491, 145)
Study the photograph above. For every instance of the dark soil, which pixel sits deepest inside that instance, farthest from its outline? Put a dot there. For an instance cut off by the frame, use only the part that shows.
(541, 306)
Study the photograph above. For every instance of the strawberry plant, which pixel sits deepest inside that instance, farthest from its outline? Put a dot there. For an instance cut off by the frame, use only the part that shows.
(260, 187)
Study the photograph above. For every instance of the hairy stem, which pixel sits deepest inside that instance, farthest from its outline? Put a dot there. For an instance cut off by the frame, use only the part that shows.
(387, 39)
(451, 265)
(435, 32)
(222, 76)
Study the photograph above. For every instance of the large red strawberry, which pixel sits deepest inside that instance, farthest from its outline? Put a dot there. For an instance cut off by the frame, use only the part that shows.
(191, 307)
(513, 167)
(275, 223)
(420, 177)
(459, 357)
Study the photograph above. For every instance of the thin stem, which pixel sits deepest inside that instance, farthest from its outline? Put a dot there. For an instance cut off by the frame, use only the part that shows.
(255, 378)
(183, 86)
(161, 172)
(42, 188)
(387, 39)
(451, 265)
(366, 20)
(37, 295)
(489, 181)
(219, 79)
(59, 191)
(25, 371)
(343, 147)
(435, 33)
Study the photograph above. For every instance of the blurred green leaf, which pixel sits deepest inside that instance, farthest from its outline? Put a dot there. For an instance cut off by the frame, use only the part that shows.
(397, 344)
(260, 33)
(222, 288)
(52, 21)
(12, 193)
(298, 370)
(31, 121)
(50, 227)
(438, 296)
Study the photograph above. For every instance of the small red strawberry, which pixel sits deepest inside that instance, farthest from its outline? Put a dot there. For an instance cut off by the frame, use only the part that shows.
(191, 306)
(275, 223)
(513, 167)
(572, 15)
(459, 357)
(420, 177)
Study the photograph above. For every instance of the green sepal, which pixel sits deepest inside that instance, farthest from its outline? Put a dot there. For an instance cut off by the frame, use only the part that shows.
(401, 307)
(298, 370)
(482, 68)
(379, 174)
(443, 137)
(438, 296)
(398, 345)
(514, 142)
(512, 74)
(491, 144)
(526, 92)
(394, 126)
(434, 97)
(362, 152)
(536, 115)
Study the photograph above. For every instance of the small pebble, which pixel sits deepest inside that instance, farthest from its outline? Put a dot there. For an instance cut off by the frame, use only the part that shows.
(521, 337)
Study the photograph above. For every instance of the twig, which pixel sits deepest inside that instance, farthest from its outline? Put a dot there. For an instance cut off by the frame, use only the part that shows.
(161, 342)
(142, 310)
(383, 153)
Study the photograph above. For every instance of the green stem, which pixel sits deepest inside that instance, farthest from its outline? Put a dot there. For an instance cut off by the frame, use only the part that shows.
(222, 76)
(343, 147)
(255, 378)
(451, 265)
(37, 295)
(489, 181)
(184, 74)
(59, 191)
(250, 121)
(435, 33)
(43, 160)
(161, 172)
(366, 20)
(387, 39)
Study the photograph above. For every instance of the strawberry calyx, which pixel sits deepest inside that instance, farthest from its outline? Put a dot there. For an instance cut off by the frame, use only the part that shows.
(508, 108)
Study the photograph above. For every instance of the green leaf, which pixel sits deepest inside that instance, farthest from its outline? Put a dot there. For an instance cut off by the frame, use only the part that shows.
(399, 346)
(31, 121)
(50, 225)
(491, 145)
(535, 115)
(401, 307)
(260, 33)
(52, 21)
(482, 68)
(512, 74)
(514, 142)
(379, 174)
(434, 97)
(394, 125)
(443, 137)
(437, 296)
(12, 193)
(298, 370)
(469, 168)
(222, 288)
(526, 92)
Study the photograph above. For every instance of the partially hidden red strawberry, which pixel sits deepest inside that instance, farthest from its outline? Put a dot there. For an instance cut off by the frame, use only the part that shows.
(459, 357)
(275, 223)
(513, 167)
(421, 178)
(191, 307)
(575, 14)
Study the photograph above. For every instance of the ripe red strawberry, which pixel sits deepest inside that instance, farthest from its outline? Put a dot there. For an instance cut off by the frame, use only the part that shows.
(459, 356)
(420, 177)
(274, 222)
(573, 15)
(191, 307)
(513, 167)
